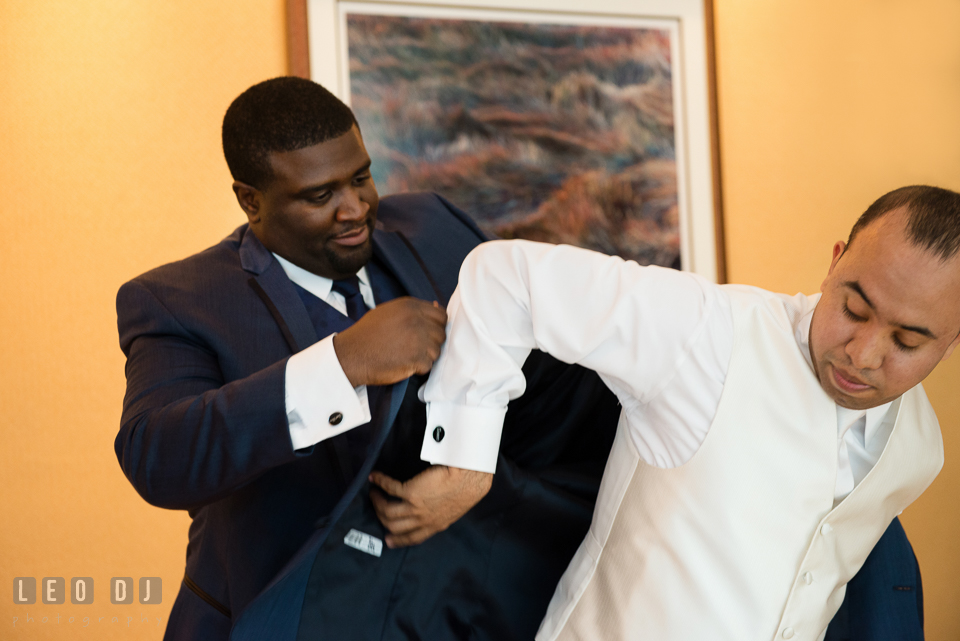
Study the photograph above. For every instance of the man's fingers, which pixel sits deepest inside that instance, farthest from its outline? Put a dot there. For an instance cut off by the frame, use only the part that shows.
(399, 517)
(388, 510)
(424, 366)
(402, 527)
(437, 331)
(379, 500)
(391, 486)
(435, 313)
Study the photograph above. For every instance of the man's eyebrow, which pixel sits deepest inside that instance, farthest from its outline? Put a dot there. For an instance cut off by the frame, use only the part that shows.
(919, 330)
(312, 189)
(855, 286)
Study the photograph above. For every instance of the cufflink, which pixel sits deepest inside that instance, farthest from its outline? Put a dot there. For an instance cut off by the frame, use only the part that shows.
(335, 418)
(438, 433)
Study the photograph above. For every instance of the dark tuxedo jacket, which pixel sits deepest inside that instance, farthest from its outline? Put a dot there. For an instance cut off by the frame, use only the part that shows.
(204, 428)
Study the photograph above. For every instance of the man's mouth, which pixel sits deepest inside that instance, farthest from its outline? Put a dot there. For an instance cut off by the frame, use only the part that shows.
(848, 382)
(354, 237)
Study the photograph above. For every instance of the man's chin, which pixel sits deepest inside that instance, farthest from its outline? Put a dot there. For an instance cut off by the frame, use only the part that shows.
(853, 401)
(346, 260)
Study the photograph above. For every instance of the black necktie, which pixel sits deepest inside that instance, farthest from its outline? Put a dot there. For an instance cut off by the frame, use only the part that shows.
(349, 288)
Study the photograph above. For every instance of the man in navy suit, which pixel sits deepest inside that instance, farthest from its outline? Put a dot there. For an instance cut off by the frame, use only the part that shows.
(271, 377)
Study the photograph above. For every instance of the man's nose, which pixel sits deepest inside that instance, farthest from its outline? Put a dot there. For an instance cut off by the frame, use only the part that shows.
(351, 206)
(865, 349)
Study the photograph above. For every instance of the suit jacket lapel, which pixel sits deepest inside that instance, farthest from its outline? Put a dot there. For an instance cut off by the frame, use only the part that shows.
(401, 258)
(272, 285)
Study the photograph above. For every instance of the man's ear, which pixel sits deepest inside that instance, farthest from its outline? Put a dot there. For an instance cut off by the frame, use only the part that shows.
(838, 249)
(250, 199)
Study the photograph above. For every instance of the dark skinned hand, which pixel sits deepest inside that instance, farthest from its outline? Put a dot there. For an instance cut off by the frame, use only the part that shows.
(428, 503)
(392, 342)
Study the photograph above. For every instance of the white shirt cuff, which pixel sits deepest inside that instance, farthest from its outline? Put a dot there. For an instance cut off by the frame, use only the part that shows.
(320, 401)
(462, 436)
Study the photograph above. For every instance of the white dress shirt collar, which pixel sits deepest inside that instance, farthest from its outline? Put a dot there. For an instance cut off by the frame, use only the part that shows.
(876, 416)
(319, 286)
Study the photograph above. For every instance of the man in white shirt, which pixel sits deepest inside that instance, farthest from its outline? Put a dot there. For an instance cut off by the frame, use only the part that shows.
(739, 499)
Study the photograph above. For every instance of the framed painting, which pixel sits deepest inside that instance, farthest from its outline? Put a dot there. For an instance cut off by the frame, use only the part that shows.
(540, 120)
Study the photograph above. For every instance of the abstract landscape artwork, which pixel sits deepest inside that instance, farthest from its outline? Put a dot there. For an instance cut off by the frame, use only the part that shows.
(563, 133)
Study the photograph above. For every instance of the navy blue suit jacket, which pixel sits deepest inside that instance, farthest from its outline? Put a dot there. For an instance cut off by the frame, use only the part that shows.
(884, 601)
(204, 428)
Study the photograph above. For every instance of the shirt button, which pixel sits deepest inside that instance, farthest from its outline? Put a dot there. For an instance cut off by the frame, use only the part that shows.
(788, 633)
(335, 418)
(807, 578)
(826, 529)
(438, 433)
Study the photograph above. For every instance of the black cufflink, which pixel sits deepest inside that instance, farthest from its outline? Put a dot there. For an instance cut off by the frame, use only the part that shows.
(335, 418)
(438, 433)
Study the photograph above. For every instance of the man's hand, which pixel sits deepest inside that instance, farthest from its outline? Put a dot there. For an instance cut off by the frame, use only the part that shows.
(430, 502)
(392, 342)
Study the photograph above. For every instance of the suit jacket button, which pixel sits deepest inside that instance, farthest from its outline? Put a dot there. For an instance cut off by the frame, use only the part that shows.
(335, 418)
(438, 433)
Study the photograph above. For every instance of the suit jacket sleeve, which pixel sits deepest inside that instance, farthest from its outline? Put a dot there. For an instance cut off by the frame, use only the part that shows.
(188, 437)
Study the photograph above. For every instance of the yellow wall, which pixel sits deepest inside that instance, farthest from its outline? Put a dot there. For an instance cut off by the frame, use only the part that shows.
(824, 106)
(110, 157)
(109, 131)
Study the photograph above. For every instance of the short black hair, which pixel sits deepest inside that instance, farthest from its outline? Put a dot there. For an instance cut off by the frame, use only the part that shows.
(280, 114)
(934, 222)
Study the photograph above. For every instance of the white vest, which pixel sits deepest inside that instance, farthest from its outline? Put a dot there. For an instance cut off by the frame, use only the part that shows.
(741, 543)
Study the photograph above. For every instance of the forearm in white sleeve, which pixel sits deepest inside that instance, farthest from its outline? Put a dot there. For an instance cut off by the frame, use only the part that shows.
(577, 305)
(320, 401)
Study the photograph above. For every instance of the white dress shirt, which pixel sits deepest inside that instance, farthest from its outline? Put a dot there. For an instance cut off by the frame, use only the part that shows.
(316, 388)
(659, 338)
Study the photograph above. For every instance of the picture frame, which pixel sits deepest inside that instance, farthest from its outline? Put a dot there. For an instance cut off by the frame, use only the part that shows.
(319, 49)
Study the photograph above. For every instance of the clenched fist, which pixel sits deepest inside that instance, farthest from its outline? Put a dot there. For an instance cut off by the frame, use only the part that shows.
(392, 342)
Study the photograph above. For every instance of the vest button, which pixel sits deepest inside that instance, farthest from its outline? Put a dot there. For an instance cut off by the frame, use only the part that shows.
(807, 578)
(335, 418)
(788, 633)
(826, 529)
